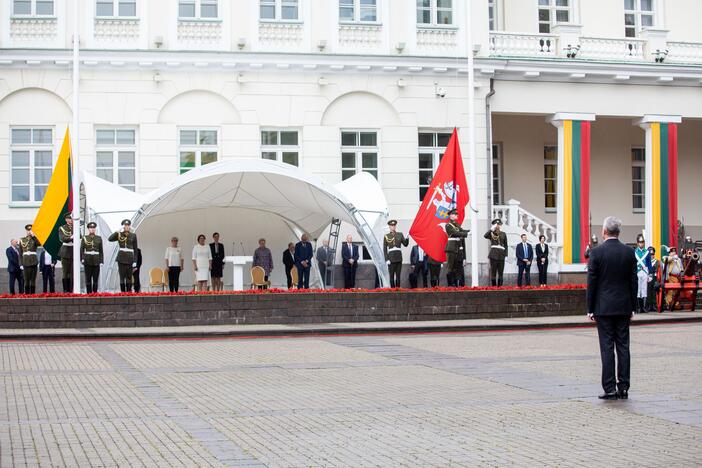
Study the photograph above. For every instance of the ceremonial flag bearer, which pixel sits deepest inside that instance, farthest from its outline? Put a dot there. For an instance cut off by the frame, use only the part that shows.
(91, 257)
(126, 257)
(392, 243)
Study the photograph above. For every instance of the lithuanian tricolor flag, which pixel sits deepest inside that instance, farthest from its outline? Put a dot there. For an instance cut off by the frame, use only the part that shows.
(664, 187)
(57, 201)
(576, 190)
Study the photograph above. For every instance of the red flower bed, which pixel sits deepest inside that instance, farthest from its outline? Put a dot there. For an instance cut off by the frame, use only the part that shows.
(297, 291)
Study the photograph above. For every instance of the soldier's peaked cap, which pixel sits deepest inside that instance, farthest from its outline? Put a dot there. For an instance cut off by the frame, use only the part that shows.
(126, 222)
(28, 227)
(92, 224)
(453, 211)
(392, 222)
(67, 215)
(497, 221)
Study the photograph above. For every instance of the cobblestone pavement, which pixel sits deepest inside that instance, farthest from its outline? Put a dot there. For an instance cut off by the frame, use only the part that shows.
(524, 398)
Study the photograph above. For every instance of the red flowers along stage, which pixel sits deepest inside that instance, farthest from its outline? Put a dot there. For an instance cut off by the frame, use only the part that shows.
(299, 291)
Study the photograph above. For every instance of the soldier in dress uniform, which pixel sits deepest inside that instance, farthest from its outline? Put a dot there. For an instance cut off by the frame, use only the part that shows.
(29, 259)
(126, 257)
(454, 259)
(65, 234)
(91, 257)
(498, 252)
(392, 243)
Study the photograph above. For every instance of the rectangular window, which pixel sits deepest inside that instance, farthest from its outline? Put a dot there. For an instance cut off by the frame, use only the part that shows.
(115, 158)
(550, 178)
(287, 10)
(115, 8)
(638, 14)
(359, 11)
(552, 12)
(33, 7)
(638, 179)
(197, 147)
(359, 153)
(281, 145)
(492, 15)
(435, 12)
(31, 160)
(198, 9)
(496, 174)
(431, 149)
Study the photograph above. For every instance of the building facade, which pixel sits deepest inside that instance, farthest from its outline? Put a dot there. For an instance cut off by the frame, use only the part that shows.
(338, 87)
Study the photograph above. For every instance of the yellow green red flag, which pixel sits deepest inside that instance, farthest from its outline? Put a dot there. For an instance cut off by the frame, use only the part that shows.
(57, 201)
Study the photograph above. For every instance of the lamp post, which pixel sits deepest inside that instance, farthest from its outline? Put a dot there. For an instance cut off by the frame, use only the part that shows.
(75, 183)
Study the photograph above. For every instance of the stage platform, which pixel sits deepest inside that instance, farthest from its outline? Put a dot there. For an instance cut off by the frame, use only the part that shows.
(150, 310)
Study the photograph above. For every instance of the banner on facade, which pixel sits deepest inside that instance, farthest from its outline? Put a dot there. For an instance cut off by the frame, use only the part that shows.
(664, 197)
(576, 190)
(57, 201)
(448, 190)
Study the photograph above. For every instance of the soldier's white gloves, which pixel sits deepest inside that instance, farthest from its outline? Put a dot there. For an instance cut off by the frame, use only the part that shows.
(388, 262)
(134, 265)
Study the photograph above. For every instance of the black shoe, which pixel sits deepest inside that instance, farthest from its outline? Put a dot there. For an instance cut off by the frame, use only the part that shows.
(608, 396)
(623, 394)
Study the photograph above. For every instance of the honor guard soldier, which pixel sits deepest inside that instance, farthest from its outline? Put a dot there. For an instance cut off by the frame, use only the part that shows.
(498, 252)
(126, 256)
(454, 258)
(65, 234)
(91, 258)
(29, 259)
(643, 273)
(393, 253)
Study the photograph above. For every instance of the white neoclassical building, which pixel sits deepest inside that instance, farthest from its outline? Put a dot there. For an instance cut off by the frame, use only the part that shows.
(342, 86)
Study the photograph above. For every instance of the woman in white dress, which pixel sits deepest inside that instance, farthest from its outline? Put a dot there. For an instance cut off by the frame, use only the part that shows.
(202, 262)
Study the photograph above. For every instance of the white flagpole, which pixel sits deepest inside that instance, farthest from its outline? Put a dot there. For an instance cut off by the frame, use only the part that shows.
(75, 151)
(471, 153)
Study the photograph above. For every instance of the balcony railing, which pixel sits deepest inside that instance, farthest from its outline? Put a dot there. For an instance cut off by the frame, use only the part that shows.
(601, 48)
(684, 52)
(522, 44)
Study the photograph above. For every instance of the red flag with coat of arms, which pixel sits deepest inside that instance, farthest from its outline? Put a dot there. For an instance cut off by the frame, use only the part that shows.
(448, 190)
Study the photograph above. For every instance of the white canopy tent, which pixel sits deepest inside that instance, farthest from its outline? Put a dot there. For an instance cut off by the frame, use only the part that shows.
(243, 200)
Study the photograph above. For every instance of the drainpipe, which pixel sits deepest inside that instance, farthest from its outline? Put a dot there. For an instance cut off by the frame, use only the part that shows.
(488, 139)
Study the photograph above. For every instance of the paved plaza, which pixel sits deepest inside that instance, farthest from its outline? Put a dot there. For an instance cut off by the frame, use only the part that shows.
(521, 398)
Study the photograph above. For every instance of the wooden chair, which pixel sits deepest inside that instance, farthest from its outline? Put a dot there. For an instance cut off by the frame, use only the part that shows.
(258, 278)
(156, 278)
(294, 276)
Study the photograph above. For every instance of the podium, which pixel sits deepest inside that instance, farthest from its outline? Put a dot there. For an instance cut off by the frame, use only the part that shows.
(238, 262)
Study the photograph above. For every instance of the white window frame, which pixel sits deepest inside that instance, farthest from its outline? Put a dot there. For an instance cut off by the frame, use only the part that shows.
(638, 13)
(642, 165)
(436, 152)
(434, 9)
(115, 148)
(497, 175)
(278, 15)
(198, 10)
(32, 148)
(358, 151)
(115, 8)
(554, 163)
(279, 148)
(553, 8)
(197, 148)
(357, 6)
(33, 9)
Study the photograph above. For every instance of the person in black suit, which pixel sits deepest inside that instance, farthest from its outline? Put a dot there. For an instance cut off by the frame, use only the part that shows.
(217, 271)
(303, 262)
(419, 267)
(325, 261)
(611, 301)
(349, 257)
(542, 260)
(289, 262)
(136, 270)
(525, 255)
(47, 267)
(14, 269)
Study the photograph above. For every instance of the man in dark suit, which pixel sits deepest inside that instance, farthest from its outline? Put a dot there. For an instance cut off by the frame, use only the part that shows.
(47, 267)
(419, 267)
(349, 256)
(289, 262)
(325, 260)
(611, 302)
(14, 269)
(136, 270)
(217, 271)
(303, 262)
(525, 254)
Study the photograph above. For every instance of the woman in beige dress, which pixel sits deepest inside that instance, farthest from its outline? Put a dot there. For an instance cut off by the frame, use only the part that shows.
(202, 262)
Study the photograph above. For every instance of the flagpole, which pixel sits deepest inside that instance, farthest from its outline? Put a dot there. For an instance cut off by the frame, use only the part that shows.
(74, 152)
(471, 153)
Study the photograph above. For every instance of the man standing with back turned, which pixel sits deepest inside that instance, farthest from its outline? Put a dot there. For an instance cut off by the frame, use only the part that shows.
(611, 302)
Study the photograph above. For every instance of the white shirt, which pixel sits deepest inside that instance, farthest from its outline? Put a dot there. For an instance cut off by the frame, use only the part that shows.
(47, 258)
(421, 253)
(173, 256)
